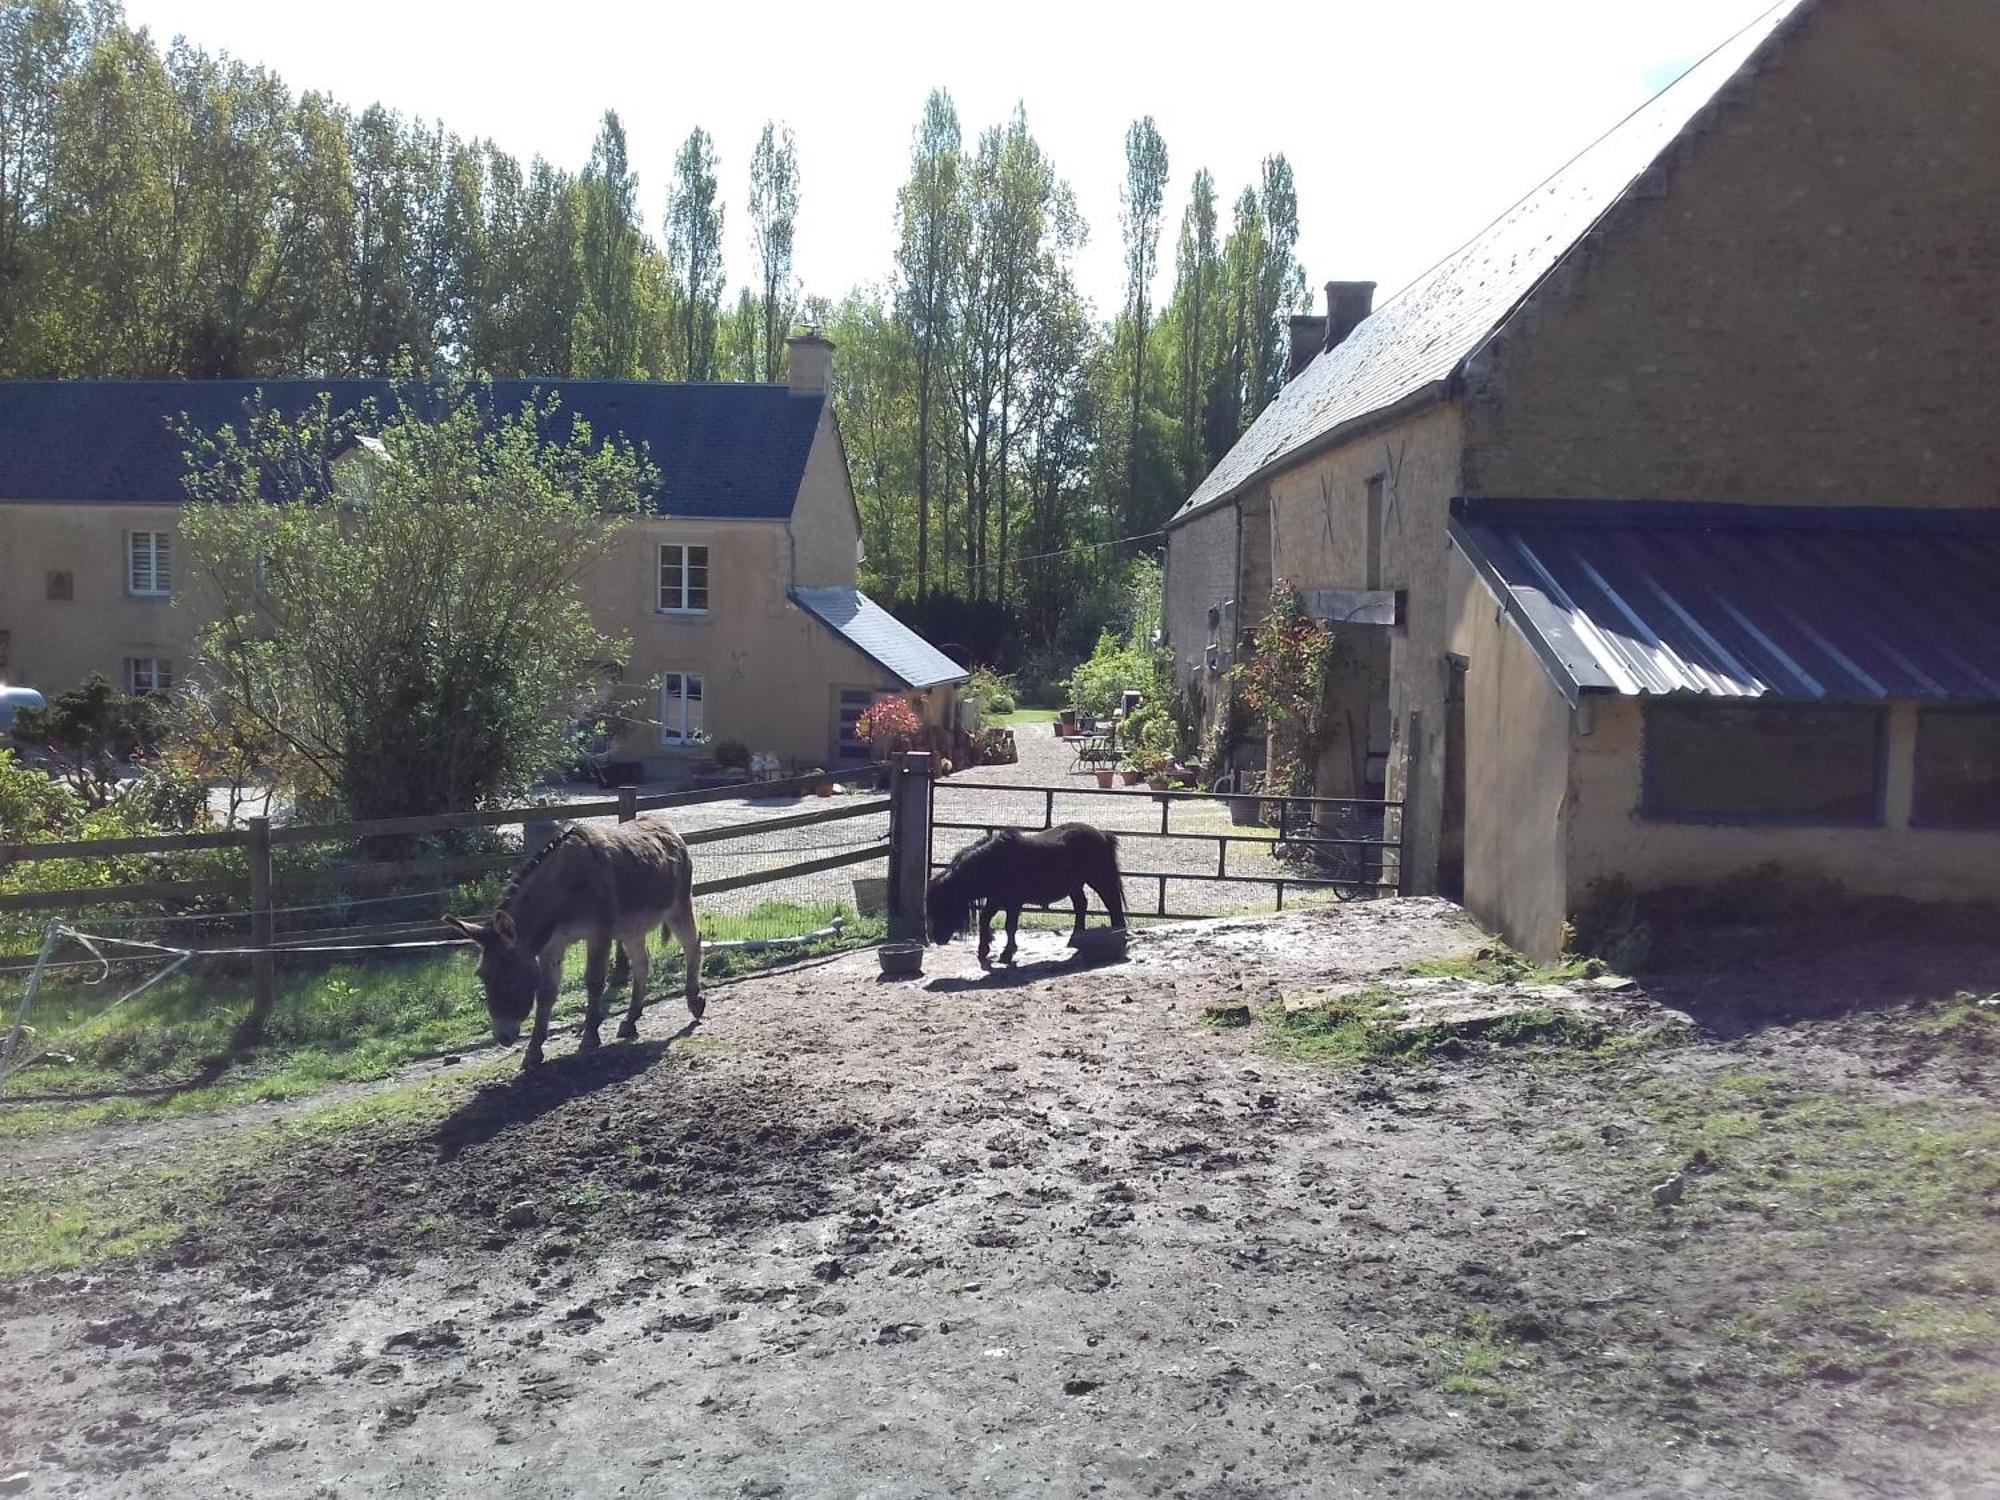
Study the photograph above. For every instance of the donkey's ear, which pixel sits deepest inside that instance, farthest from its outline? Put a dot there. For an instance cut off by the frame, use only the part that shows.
(503, 923)
(470, 931)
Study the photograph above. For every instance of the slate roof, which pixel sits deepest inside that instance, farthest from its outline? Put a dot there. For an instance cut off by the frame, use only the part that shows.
(880, 636)
(723, 451)
(1806, 603)
(1422, 337)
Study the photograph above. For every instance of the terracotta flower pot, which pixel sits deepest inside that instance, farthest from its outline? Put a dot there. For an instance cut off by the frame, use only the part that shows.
(1104, 778)
(1131, 778)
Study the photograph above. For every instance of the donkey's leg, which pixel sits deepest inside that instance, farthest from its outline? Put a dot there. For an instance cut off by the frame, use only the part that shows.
(596, 957)
(1013, 921)
(680, 922)
(986, 936)
(621, 965)
(1076, 933)
(628, 1029)
(545, 1001)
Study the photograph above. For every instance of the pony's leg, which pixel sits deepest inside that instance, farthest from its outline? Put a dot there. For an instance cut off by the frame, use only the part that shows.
(596, 958)
(1076, 932)
(986, 936)
(680, 922)
(1013, 921)
(1112, 893)
(642, 963)
(545, 1003)
(621, 966)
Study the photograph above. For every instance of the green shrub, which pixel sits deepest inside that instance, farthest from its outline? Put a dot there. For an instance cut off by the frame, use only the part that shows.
(731, 755)
(1099, 684)
(993, 690)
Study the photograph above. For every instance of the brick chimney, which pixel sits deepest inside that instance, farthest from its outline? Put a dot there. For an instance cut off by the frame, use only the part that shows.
(808, 363)
(1347, 303)
(1308, 338)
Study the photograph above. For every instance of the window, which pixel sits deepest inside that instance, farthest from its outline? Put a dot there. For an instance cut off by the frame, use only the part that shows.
(683, 579)
(1711, 762)
(149, 563)
(1958, 769)
(853, 704)
(151, 676)
(680, 708)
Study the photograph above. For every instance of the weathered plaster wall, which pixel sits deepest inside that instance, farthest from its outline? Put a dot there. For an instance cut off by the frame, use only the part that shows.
(1608, 837)
(1319, 529)
(1517, 739)
(54, 644)
(825, 526)
(1801, 309)
(1201, 574)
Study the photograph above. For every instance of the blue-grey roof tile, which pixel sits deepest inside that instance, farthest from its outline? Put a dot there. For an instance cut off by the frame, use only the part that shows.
(880, 636)
(1787, 602)
(1424, 334)
(723, 451)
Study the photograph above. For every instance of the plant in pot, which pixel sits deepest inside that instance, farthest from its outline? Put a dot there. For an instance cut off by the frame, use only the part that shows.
(1134, 770)
(890, 726)
(731, 755)
(1157, 767)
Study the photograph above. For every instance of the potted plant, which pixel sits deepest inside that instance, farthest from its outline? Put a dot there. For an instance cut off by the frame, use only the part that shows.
(1157, 767)
(890, 726)
(1105, 776)
(1134, 771)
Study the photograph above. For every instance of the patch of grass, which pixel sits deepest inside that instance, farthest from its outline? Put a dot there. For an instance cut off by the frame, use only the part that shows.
(1496, 963)
(1472, 1359)
(1023, 716)
(1367, 1027)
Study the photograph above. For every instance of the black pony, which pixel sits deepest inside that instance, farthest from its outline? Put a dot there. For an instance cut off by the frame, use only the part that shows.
(1009, 869)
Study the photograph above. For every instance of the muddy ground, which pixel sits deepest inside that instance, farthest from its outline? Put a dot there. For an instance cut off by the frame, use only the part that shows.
(1068, 1232)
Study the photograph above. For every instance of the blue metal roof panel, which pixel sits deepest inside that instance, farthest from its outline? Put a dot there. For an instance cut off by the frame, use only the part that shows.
(880, 636)
(1803, 603)
(723, 451)
(1422, 335)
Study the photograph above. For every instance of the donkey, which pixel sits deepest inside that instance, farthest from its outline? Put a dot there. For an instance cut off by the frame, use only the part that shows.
(1009, 869)
(595, 883)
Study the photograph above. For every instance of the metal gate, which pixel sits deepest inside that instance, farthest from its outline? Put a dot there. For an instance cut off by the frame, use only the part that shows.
(1217, 843)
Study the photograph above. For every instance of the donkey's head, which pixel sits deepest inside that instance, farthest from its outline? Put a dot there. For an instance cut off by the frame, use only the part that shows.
(507, 972)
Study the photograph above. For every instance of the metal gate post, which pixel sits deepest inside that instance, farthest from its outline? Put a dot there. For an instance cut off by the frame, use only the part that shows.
(909, 844)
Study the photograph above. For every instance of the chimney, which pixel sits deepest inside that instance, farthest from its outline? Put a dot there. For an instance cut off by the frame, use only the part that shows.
(808, 363)
(1347, 303)
(1308, 338)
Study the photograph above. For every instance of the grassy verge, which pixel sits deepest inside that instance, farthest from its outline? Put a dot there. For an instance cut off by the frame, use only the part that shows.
(117, 1210)
(1022, 716)
(1891, 1197)
(157, 1054)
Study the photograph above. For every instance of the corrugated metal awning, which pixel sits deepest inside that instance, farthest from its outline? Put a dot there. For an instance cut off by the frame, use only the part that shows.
(1814, 604)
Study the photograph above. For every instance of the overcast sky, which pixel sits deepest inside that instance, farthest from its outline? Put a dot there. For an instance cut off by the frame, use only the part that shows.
(1409, 123)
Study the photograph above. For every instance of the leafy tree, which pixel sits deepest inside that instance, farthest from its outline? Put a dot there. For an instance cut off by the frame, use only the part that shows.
(1142, 199)
(694, 249)
(933, 236)
(774, 212)
(607, 340)
(400, 603)
(93, 736)
(1193, 315)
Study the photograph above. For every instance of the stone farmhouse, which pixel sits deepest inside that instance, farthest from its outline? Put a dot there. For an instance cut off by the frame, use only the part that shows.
(1660, 523)
(738, 594)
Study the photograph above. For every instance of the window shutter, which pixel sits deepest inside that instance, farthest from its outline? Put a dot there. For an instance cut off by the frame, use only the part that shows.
(163, 553)
(138, 565)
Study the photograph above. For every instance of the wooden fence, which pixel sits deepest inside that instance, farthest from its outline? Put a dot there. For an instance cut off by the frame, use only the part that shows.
(262, 887)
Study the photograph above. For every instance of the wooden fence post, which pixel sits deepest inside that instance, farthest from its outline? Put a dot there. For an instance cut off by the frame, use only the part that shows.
(263, 968)
(628, 803)
(1413, 773)
(909, 844)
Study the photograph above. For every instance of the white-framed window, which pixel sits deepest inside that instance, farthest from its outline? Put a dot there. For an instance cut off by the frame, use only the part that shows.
(683, 579)
(681, 719)
(150, 676)
(149, 563)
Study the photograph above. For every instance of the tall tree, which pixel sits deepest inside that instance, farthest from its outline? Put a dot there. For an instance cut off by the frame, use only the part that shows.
(1141, 202)
(933, 232)
(774, 212)
(607, 335)
(1280, 286)
(694, 249)
(1194, 319)
(739, 345)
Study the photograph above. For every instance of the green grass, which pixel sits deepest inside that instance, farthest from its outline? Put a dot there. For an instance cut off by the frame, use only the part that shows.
(345, 1025)
(1496, 963)
(1022, 716)
(1365, 1027)
(1473, 1357)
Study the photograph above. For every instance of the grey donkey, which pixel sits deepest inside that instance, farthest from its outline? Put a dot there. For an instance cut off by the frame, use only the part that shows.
(595, 883)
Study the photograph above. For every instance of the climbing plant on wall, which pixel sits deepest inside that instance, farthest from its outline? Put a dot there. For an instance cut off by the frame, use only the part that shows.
(1283, 685)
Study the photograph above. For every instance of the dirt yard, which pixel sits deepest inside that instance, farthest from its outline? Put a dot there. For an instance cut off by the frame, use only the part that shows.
(1210, 1222)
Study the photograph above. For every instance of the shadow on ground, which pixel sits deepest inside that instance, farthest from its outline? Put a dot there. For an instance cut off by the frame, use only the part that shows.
(525, 1097)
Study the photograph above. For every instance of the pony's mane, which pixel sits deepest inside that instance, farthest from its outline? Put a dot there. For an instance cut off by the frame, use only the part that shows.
(976, 850)
(519, 878)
